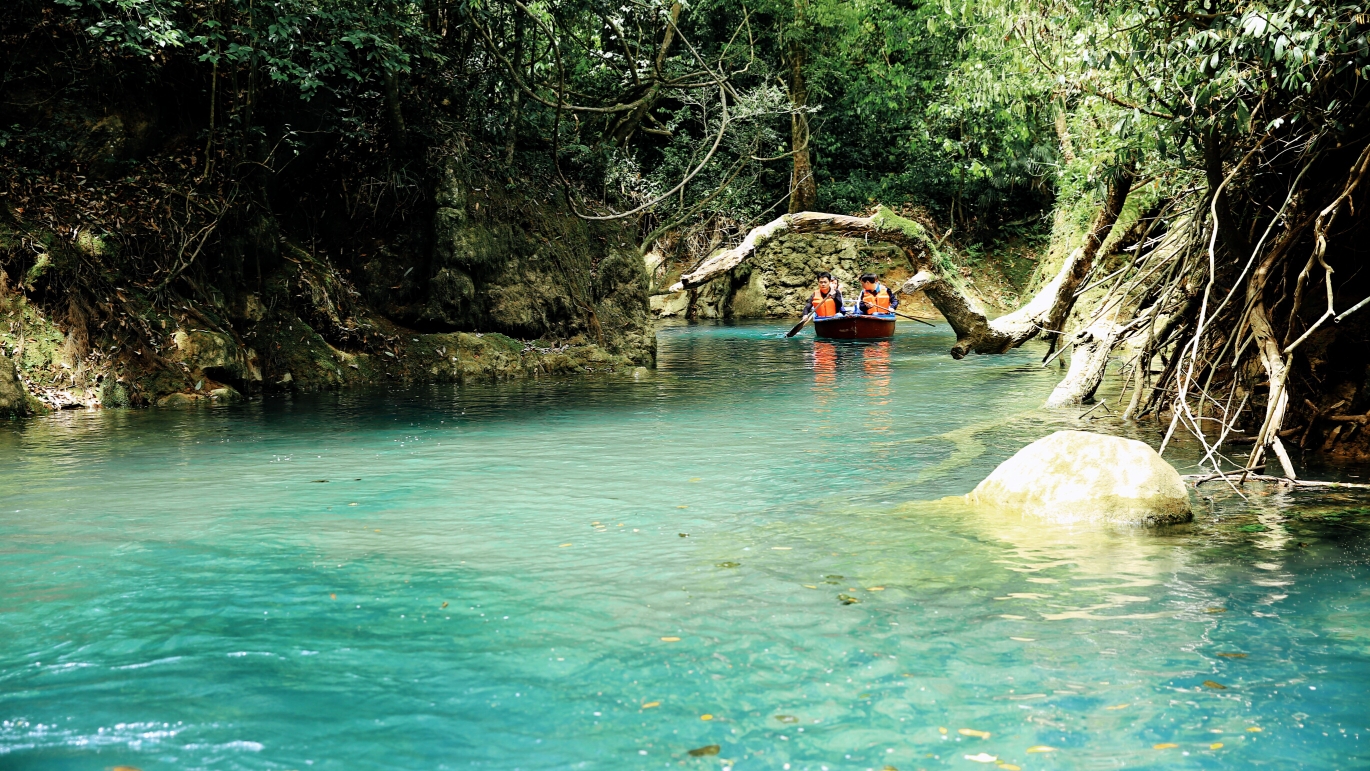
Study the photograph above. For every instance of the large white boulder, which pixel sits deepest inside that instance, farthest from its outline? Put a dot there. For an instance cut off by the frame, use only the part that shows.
(1076, 476)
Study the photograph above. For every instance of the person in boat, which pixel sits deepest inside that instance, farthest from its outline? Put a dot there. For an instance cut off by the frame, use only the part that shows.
(827, 298)
(876, 299)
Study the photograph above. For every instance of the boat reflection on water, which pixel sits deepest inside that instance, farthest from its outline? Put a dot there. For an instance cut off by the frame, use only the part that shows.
(834, 362)
(876, 372)
(824, 364)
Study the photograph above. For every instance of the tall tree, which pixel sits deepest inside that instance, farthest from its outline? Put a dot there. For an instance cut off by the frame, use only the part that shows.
(803, 185)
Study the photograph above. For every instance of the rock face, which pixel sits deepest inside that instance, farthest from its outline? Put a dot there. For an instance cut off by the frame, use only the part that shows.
(516, 262)
(216, 354)
(501, 281)
(1079, 477)
(13, 397)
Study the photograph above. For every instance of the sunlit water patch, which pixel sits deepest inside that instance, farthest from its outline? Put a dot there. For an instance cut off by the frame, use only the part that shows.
(737, 561)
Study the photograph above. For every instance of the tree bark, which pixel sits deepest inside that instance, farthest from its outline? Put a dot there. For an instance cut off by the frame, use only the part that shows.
(1087, 365)
(392, 105)
(1277, 368)
(622, 130)
(1268, 349)
(803, 187)
(515, 98)
(1062, 303)
(1063, 134)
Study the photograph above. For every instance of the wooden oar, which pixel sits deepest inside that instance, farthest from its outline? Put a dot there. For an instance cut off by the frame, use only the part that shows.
(914, 318)
(907, 316)
(800, 325)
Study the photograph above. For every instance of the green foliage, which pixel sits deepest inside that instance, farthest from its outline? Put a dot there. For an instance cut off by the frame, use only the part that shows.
(306, 44)
(982, 113)
(1163, 78)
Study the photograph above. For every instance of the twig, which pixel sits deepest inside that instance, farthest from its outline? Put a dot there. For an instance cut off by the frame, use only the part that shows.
(1352, 310)
(1246, 474)
(1095, 407)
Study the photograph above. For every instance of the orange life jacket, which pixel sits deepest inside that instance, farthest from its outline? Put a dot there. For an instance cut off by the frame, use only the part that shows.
(823, 306)
(877, 302)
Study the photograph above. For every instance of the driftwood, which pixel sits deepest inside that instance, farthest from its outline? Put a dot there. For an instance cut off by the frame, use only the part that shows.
(1241, 476)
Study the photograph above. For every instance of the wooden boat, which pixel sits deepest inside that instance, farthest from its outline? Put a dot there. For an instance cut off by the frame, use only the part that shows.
(854, 327)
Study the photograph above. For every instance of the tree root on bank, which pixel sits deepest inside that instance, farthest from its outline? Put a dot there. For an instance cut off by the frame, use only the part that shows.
(1218, 330)
(1092, 348)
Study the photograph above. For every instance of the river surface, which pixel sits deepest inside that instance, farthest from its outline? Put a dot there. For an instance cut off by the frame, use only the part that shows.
(739, 554)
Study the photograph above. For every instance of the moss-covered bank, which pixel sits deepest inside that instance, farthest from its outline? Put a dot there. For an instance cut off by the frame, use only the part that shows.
(492, 283)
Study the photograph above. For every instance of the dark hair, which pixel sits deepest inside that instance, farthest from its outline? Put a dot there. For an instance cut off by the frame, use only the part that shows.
(868, 277)
(826, 275)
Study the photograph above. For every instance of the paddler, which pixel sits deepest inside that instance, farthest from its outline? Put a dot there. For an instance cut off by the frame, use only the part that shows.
(876, 298)
(827, 298)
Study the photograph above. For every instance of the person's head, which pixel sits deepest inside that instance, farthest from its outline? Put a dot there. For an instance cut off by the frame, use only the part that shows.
(824, 281)
(868, 280)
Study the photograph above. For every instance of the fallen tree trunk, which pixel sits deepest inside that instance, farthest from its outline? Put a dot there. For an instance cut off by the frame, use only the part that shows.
(1045, 313)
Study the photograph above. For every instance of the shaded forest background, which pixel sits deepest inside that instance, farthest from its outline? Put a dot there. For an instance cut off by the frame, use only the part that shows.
(313, 111)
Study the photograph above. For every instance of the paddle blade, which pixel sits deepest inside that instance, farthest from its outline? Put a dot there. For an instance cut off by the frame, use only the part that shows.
(799, 326)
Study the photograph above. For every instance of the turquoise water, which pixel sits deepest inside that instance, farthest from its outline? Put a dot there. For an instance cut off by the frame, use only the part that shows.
(495, 577)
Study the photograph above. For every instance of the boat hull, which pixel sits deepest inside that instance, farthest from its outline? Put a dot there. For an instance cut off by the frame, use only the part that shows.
(855, 328)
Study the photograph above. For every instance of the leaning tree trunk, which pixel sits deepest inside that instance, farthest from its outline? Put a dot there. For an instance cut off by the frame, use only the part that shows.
(1064, 300)
(975, 331)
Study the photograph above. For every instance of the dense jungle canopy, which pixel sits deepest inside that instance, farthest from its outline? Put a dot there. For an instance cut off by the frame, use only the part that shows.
(1196, 164)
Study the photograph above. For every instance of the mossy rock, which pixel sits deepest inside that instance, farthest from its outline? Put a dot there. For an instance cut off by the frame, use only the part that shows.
(180, 399)
(14, 398)
(114, 394)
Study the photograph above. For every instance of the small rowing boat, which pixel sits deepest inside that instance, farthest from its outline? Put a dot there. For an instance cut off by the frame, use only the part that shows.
(855, 327)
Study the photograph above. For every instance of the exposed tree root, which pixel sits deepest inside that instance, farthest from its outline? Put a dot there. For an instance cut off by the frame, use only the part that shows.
(1219, 331)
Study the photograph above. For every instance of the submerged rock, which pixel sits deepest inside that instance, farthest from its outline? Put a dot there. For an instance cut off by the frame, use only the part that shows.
(1076, 476)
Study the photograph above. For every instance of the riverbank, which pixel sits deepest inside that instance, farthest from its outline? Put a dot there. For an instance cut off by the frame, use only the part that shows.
(195, 364)
(495, 283)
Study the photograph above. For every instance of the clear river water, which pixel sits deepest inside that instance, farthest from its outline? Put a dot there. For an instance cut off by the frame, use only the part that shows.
(737, 561)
